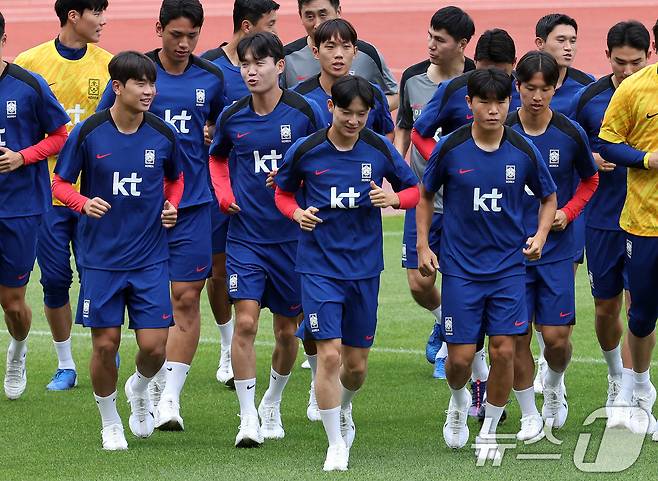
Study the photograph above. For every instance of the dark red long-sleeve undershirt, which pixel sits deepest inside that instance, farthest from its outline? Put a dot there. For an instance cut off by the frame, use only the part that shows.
(221, 182)
(424, 145)
(583, 194)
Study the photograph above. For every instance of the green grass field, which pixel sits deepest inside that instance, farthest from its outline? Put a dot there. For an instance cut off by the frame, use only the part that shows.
(399, 413)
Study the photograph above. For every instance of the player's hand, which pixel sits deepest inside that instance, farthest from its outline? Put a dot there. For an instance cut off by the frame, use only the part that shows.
(10, 160)
(602, 164)
(96, 208)
(232, 209)
(169, 215)
(380, 198)
(428, 263)
(207, 138)
(560, 222)
(228, 206)
(307, 218)
(269, 182)
(533, 248)
(653, 161)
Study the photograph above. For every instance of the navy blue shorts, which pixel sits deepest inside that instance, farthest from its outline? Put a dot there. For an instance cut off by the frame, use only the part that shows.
(219, 223)
(264, 273)
(473, 308)
(409, 253)
(642, 257)
(340, 309)
(18, 249)
(551, 293)
(578, 226)
(190, 249)
(606, 262)
(105, 295)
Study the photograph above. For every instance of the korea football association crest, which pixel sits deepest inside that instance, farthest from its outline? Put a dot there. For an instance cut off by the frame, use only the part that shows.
(510, 174)
(447, 325)
(11, 109)
(94, 89)
(149, 158)
(313, 321)
(233, 282)
(554, 158)
(366, 172)
(200, 97)
(286, 134)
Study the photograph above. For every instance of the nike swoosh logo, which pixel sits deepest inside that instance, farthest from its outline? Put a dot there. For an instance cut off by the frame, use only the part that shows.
(240, 135)
(23, 276)
(166, 316)
(201, 269)
(295, 307)
(50, 85)
(651, 116)
(469, 117)
(102, 156)
(170, 369)
(465, 171)
(519, 323)
(274, 377)
(320, 172)
(369, 338)
(565, 314)
(251, 387)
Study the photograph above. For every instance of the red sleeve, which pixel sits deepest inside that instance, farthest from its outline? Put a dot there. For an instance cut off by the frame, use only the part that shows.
(221, 182)
(425, 145)
(286, 202)
(173, 190)
(64, 192)
(51, 145)
(409, 197)
(584, 192)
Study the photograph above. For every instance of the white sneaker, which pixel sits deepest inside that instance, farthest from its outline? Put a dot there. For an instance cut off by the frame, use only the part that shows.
(532, 429)
(156, 386)
(486, 449)
(271, 426)
(141, 420)
(619, 413)
(347, 427)
(249, 435)
(313, 411)
(113, 438)
(15, 377)
(337, 459)
(555, 407)
(614, 386)
(167, 415)
(641, 420)
(225, 370)
(306, 365)
(455, 429)
(538, 384)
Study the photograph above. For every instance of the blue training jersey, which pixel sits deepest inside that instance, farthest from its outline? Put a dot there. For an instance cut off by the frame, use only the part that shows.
(234, 86)
(483, 202)
(187, 101)
(379, 118)
(348, 243)
(255, 145)
(588, 108)
(127, 171)
(574, 81)
(447, 110)
(566, 152)
(28, 110)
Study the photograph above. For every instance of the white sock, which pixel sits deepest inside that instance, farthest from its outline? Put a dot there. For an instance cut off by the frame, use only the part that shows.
(443, 352)
(313, 362)
(346, 398)
(246, 391)
(277, 385)
(64, 354)
(526, 400)
(492, 416)
(139, 382)
(542, 345)
(226, 333)
(331, 422)
(461, 396)
(642, 381)
(627, 383)
(107, 406)
(480, 368)
(613, 359)
(175, 377)
(17, 349)
(553, 378)
(437, 314)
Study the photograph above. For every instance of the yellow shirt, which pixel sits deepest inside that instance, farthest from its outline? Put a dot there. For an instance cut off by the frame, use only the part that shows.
(77, 84)
(632, 118)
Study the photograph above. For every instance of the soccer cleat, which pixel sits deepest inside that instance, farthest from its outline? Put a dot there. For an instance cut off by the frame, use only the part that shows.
(113, 438)
(433, 343)
(532, 429)
(167, 415)
(313, 411)
(619, 413)
(641, 420)
(555, 408)
(141, 420)
(271, 426)
(455, 429)
(478, 390)
(439, 368)
(156, 386)
(337, 459)
(225, 370)
(347, 427)
(15, 378)
(486, 449)
(614, 386)
(249, 435)
(63, 380)
(538, 384)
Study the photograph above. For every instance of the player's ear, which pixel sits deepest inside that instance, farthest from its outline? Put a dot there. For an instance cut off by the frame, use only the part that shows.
(281, 66)
(3, 40)
(316, 52)
(73, 16)
(116, 87)
(330, 105)
(246, 26)
(158, 28)
(539, 42)
(469, 102)
(462, 44)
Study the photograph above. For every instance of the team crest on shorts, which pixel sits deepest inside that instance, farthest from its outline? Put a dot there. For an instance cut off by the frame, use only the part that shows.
(11, 109)
(447, 325)
(366, 172)
(313, 321)
(85, 308)
(510, 174)
(404, 252)
(233, 282)
(200, 97)
(629, 248)
(149, 158)
(554, 158)
(94, 88)
(286, 134)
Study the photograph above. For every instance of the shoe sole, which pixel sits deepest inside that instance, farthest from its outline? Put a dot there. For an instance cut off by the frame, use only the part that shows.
(274, 436)
(533, 439)
(247, 443)
(171, 425)
(14, 395)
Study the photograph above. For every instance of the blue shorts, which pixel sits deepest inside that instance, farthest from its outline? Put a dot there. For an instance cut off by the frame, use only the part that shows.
(551, 293)
(264, 273)
(474, 308)
(219, 223)
(340, 309)
(642, 258)
(190, 249)
(606, 262)
(105, 295)
(409, 253)
(578, 226)
(18, 249)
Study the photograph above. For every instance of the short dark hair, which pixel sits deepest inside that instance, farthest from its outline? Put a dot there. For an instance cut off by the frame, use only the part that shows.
(538, 62)
(261, 45)
(132, 65)
(547, 24)
(173, 9)
(251, 10)
(629, 34)
(2, 25)
(336, 27)
(349, 87)
(455, 21)
(489, 83)
(495, 46)
(63, 7)
(301, 3)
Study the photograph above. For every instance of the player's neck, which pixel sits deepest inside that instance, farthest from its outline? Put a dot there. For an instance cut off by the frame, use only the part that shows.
(563, 75)
(487, 139)
(70, 39)
(3, 66)
(326, 82)
(615, 83)
(535, 124)
(126, 121)
(341, 142)
(231, 48)
(264, 103)
(173, 68)
(439, 73)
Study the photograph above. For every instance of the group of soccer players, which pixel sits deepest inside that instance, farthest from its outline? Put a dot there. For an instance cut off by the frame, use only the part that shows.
(257, 170)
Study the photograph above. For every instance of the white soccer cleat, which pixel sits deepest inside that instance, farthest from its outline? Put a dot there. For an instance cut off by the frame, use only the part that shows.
(538, 384)
(532, 429)
(224, 372)
(156, 386)
(555, 409)
(113, 438)
(619, 413)
(167, 415)
(337, 459)
(249, 435)
(271, 426)
(141, 422)
(486, 449)
(614, 386)
(313, 410)
(347, 427)
(455, 429)
(15, 377)
(641, 420)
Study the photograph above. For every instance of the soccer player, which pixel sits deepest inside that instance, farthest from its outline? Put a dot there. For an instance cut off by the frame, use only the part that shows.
(125, 154)
(76, 70)
(550, 286)
(483, 168)
(250, 141)
(31, 111)
(301, 63)
(449, 33)
(190, 95)
(628, 135)
(342, 169)
(628, 51)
